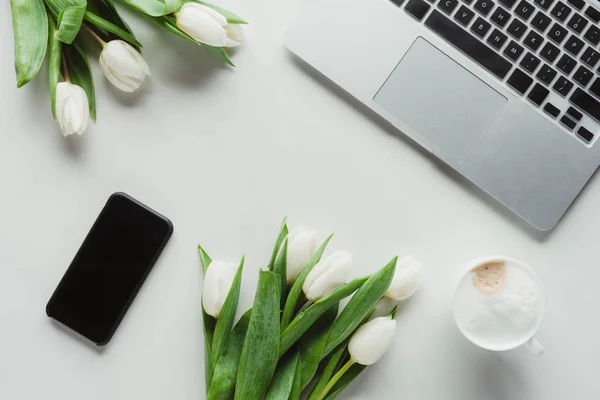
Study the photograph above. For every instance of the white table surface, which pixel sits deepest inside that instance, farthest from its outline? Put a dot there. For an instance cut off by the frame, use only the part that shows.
(226, 154)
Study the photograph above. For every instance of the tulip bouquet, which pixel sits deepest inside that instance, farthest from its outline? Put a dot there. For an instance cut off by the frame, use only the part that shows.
(296, 339)
(54, 28)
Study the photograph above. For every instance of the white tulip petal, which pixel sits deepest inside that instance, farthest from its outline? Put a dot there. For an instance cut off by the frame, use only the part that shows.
(72, 108)
(407, 279)
(115, 80)
(235, 32)
(123, 66)
(215, 15)
(201, 26)
(372, 340)
(217, 283)
(301, 248)
(231, 43)
(327, 275)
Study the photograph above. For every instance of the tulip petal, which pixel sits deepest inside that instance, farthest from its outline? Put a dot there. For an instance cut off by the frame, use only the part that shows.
(217, 17)
(123, 66)
(201, 26)
(301, 248)
(235, 32)
(372, 340)
(407, 279)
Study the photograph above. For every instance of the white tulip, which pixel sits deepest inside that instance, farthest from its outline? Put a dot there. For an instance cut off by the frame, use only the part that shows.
(208, 26)
(407, 279)
(217, 283)
(327, 275)
(301, 248)
(123, 65)
(72, 108)
(372, 340)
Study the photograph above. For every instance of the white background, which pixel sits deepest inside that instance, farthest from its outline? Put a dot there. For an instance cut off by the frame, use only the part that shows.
(226, 153)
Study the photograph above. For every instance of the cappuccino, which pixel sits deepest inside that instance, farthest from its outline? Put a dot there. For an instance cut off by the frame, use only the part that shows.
(499, 303)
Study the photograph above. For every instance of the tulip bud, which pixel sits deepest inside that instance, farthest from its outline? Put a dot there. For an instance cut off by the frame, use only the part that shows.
(217, 283)
(407, 279)
(372, 340)
(123, 65)
(72, 108)
(327, 275)
(301, 248)
(208, 26)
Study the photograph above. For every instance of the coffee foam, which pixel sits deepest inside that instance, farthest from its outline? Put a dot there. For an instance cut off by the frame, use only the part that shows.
(499, 304)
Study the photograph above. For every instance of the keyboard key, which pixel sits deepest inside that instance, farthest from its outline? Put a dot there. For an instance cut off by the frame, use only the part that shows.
(448, 6)
(541, 22)
(577, 23)
(519, 81)
(464, 15)
(497, 39)
(590, 57)
(538, 94)
(585, 134)
(417, 8)
(469, 45)
(593, 35)
(467, 1)
(500, 17)
(533, 40)
(508, 3)
(516, 29)
(530, 62)
(524, 10)
(593, 14)
(544, 4)
(546, 74)
(578, 4)
(551, 110)
(549, 52)
(561, 11)
(557, 33)
(484, 6)
(566, 64)
(432, 1)
(513, 51)
(595, 88)
(568, 122)
(574, 45)
(563, 86)
(583, 76)
(575, 114)
(480, 27)
(586, 103)
(398, 2)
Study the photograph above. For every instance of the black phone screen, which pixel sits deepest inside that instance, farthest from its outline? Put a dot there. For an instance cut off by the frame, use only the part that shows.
(109, 268)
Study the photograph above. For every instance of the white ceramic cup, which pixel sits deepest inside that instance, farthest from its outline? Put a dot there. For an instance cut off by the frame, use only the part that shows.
(468, 301)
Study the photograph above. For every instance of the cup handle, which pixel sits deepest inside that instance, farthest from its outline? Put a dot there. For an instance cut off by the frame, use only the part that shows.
(534, 346)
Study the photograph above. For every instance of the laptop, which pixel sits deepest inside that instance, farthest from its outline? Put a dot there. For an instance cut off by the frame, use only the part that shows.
(506, 92)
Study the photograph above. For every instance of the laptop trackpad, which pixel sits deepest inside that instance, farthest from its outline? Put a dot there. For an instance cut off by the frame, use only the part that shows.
(440, 100)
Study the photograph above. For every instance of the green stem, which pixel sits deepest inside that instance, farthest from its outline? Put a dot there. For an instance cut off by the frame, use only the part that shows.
(336, 378)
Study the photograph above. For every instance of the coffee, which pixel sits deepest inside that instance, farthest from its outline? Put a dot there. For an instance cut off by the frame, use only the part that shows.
(499, 304)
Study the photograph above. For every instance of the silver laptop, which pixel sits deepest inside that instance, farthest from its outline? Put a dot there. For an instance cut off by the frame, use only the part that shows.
(507, 92)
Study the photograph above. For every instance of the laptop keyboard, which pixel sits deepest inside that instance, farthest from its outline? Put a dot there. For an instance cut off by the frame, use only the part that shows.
(535, 47)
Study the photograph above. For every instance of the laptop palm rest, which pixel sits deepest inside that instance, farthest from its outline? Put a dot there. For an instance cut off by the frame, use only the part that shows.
(459, 105)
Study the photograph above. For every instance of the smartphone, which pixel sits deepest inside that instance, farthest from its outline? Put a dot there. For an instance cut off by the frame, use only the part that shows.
(109, 269)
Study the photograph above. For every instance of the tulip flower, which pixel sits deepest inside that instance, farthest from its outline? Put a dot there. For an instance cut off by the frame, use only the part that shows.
(72, 108)
(301, 248)
(407, 279)
(123, 65)
(217, 283)
(208, 26)
(327, 275)
(372, 340)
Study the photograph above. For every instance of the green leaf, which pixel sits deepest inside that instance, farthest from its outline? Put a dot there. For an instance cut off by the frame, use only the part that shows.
(222, 386)
(107, 10)
(296, 290)
(312, 344)
(54, 60)
(280, 268)
(112, 28)
(297, 386)
(227, 316)
(30, 29)
(307, 318)
(153, 8)
(205, 260)
(80, 73)
(331, 366)
(283, 380)
(231, 17)
(361, 304)
(69, 23)
(260, 352)
(217, 51)
(283, 232)
(345, 380)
